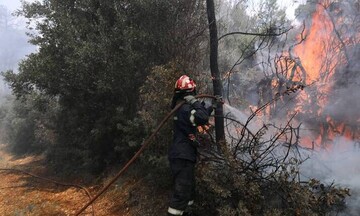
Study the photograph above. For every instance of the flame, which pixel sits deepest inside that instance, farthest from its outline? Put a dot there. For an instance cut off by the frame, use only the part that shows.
(320, 53)
(314, 49)
(315, 61)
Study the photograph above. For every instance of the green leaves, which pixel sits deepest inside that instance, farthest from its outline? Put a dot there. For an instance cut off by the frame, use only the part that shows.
(93, 56)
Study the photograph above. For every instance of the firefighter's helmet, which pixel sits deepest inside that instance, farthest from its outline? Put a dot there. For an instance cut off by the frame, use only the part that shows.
(185, 84)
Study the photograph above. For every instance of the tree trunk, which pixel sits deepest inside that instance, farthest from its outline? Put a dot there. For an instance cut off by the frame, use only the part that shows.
(217, 84)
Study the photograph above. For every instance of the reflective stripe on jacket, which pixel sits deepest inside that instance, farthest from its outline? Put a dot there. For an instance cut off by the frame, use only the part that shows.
(186, 119)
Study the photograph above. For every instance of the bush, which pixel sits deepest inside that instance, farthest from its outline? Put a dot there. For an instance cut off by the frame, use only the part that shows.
(258, 173)
(28, 123)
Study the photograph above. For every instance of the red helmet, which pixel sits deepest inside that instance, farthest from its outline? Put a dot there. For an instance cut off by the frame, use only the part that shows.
(185, 84)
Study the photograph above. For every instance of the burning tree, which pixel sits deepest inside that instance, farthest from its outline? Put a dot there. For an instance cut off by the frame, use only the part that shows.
(323, 58)
(328, 53)
(311, 81)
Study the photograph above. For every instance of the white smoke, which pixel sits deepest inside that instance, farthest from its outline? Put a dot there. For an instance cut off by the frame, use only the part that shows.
(341, 166)
(14, 44)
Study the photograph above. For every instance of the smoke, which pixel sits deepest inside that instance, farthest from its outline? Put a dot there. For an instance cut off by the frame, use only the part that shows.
(336, 90)
(339, 165)
(344, 101)
(14, 44)
(331, 98)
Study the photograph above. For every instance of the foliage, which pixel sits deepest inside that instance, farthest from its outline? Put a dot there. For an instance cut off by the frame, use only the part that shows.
(270, 16)
(27, 124)
(93, 57)
(256, 30)
(156, 95)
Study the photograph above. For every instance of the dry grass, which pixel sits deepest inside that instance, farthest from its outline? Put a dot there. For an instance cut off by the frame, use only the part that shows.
(25, 195)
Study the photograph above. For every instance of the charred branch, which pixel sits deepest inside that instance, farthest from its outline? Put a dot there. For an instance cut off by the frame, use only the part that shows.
(255, 34)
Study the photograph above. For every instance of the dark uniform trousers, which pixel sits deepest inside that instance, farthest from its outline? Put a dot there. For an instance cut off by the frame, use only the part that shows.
(184, 183)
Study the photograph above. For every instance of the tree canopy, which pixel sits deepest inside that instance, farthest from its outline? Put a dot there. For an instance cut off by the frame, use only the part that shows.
(93, 57)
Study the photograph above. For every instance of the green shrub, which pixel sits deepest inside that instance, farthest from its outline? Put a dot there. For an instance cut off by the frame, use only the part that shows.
(27, 123)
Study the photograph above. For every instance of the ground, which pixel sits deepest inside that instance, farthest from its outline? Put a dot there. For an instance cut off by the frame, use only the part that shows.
(22, 194)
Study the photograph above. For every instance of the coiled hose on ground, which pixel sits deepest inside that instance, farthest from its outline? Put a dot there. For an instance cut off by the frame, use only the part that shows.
(138, 153)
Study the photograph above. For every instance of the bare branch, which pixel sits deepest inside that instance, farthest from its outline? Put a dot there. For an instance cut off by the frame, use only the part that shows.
(255, 34)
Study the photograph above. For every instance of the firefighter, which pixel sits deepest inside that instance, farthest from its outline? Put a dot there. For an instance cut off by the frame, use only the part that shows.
(183, 151)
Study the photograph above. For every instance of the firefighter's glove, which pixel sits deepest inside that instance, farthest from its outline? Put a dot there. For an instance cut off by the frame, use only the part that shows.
(190, 99)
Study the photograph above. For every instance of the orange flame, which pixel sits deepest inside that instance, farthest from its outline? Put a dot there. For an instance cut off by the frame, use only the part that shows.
(320, 54)
(314, 50)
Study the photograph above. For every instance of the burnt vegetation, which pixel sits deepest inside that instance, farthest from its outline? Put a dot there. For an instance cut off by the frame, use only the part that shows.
(258, 172)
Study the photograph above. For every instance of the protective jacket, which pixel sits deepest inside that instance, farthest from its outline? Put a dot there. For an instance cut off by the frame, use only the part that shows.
(186, 119)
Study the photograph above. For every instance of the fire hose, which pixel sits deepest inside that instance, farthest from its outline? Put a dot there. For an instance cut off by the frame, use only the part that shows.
(138, 153)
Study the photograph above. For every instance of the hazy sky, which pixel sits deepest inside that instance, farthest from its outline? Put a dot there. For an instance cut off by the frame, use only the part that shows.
(13, 44)
(11, 4)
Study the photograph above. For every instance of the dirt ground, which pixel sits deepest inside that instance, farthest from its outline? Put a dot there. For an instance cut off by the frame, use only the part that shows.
(22, 194)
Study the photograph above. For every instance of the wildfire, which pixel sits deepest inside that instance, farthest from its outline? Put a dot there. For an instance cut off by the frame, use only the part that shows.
(314, 50)
(321, 51)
